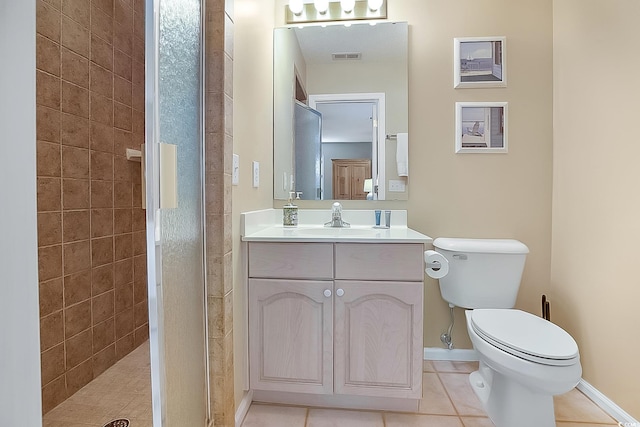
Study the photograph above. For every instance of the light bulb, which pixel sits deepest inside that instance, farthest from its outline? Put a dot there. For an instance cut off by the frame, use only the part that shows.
(296, 6)
(347, 5)
(374, 5)
(321, 6)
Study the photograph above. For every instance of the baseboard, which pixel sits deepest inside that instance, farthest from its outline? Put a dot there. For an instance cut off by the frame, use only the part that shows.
(243, 407)
(460, 355)
(607, 405)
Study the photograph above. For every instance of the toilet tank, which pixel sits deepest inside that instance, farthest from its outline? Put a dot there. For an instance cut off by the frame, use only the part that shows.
(483, 273)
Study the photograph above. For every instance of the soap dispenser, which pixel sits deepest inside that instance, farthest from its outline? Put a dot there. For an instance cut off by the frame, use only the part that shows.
(290, 212)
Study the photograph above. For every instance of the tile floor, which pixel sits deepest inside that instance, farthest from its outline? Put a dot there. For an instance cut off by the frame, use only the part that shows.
(122, 391)
(447, 401)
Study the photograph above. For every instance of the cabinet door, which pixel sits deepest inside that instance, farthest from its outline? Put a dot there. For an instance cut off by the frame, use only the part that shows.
(291, 335)
(378, 339)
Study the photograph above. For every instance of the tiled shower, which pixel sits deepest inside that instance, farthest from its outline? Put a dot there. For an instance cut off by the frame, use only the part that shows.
(91, 225)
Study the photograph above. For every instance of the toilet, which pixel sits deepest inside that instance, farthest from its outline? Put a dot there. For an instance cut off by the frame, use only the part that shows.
(524, 359)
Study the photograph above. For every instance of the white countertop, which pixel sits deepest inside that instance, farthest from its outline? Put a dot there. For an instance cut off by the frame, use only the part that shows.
(266, 226)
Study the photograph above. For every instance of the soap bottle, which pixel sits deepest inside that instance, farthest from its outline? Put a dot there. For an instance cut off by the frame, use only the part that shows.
(290, 213)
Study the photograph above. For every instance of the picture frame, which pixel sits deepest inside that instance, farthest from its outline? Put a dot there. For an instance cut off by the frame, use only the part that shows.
(481, 127)
(479, 62)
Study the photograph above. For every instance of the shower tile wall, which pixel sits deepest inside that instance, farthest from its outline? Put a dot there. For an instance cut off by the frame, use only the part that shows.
(91, 225)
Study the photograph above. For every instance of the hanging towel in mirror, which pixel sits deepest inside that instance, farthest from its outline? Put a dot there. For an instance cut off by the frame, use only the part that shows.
(402, 154)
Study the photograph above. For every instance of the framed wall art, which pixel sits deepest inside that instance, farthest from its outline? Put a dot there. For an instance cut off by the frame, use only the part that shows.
(479, 62)
(481, 127)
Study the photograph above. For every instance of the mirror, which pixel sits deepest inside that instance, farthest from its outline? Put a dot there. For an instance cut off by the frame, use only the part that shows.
(338, 93)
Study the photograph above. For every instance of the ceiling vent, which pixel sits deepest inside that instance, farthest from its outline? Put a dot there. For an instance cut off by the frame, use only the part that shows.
(349, 56)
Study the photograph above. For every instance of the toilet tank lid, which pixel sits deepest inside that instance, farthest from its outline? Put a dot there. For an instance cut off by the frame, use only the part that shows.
(486, 246)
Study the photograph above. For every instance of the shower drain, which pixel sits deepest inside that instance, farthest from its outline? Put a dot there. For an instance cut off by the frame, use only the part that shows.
(122, 422)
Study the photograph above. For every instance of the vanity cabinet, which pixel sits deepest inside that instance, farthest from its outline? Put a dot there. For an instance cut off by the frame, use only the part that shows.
(336, 319)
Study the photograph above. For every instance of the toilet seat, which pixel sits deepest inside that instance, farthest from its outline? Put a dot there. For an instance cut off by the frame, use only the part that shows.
(525, 336)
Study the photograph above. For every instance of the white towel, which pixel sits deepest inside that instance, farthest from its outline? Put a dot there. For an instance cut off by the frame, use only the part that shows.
(402, 154)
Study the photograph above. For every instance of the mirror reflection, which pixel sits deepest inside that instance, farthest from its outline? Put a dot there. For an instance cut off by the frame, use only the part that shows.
(338, 93)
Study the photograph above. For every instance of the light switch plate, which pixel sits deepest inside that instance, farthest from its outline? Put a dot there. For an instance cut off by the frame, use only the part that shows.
(396, 186)
(256, 174)
(235, 174)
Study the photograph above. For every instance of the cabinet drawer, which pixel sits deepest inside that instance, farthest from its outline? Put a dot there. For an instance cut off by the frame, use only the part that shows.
(390, 261)
(291, 260)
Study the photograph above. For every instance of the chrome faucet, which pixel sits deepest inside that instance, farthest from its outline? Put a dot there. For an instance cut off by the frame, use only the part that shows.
(336, 217)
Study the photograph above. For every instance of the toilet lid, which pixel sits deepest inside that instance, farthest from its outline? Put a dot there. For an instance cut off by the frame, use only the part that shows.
(525, 335)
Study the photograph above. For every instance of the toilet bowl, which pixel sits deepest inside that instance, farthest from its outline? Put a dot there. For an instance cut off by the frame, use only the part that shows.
(524, 359)
(524, 362)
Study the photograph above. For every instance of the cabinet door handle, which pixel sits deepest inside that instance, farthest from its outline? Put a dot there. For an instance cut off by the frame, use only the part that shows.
(340, 292)
(327, 293)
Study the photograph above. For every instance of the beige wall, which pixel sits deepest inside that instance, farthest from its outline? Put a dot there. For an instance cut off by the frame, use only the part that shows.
(595, 192)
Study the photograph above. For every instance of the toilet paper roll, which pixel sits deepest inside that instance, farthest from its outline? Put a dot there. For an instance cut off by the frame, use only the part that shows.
(437, 264)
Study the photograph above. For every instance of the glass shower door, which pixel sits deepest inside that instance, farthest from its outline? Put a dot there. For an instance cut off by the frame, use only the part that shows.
(174, 200)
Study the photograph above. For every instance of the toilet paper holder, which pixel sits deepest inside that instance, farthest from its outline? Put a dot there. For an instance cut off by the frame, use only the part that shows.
(434, 265)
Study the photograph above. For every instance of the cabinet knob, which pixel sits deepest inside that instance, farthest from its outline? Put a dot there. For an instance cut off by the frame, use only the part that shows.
(327, 293)
(340, 292)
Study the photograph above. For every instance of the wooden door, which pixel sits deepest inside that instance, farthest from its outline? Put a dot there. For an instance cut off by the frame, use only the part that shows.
(378, 339)
(291, 335)
(348, 178)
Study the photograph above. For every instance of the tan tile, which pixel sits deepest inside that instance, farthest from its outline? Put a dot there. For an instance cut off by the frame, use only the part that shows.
(101, 166)
(122, 65)
(76, 225)
(104, 5)
(461, 393)
(101, 251)
(124, 346)
(51, 296)
(52, 362)
(102, 137)
(101, 81)
(124, 299)
(48, 159)
(122, 221)
(49, 262)
(138, 6)
(75, 68)
(138, 220)
(140, 292)
(138, 121)
(53, 394)
(49, 228)
(77, 287)
(141, 314)
(138, 37)
(47, 124)
(274, 416)
(47, 55)
(101, 109)
(122, 141)
(75, 37)
(124, 324)
(101, 194)
(56, 4)
(427, 366)
(122, 193)
(104, 359)
(79, 11)
(48, 21)
(101, 52)
(75, 100)
(75, 162)
(123, 36)
(77, 318)
(123, 272)
(122, 90)
(101, 23)
(121, 168)
(47, 90)
(477, 422)
(79, 376)
(337, 417)
(413, 420)
(123, 246)
(75, 193)
(101, 222)
(139, 267)
(51, 330)
(137, 100)
(76, 257)
(102, 279)
(122, 116)
(75, 131)
(103, 307)
(104, 334)
(575, 406)
(434, 398)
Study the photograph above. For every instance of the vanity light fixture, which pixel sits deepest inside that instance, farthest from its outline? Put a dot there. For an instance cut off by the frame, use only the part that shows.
(324, 11)
(321, 6)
